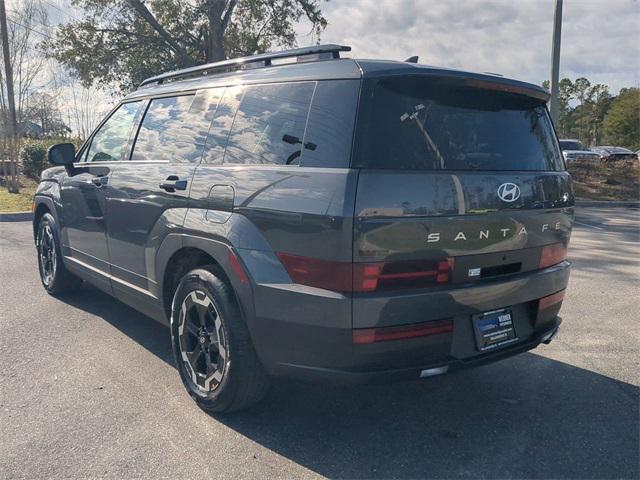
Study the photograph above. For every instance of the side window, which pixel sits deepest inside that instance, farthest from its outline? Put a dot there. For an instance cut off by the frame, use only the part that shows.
(329, 132)
(221, 124)
(269, 125)
(109, 143)
(83, 157)
(175, 128)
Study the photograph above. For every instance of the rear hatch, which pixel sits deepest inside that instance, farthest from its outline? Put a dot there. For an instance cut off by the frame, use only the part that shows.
(460, 183)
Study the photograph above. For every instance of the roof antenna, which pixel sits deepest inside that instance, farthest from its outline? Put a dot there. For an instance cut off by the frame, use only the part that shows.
(413, 59)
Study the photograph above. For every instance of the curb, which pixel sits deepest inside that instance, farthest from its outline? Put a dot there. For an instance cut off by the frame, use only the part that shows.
(583, 202)
(16, 217)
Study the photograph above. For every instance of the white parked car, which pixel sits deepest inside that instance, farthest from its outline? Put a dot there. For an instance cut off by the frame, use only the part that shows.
(573, 150)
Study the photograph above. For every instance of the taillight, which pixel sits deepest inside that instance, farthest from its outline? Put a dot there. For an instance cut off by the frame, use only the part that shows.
(335, 276)
(369, 277)
(366, 277)
(550, 300)
(552, 255)
(362, 336)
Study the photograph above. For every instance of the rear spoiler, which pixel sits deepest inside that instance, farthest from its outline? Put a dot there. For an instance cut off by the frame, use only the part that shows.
(468, 79)
(538, 93)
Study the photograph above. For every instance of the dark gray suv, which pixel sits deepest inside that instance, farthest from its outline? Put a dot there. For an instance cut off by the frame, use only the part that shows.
(307, 215)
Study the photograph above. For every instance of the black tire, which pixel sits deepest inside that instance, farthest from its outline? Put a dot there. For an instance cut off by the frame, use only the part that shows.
(237, 379)
(55, 278)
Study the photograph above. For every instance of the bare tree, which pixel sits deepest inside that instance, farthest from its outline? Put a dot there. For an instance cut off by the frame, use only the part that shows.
(44, 110)
(85, 112)
(27, 27)
(83, 106)
(24, 24)
(9, 114)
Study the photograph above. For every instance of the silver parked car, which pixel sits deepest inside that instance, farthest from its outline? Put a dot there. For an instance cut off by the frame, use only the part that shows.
(573, 150)
(613, 154)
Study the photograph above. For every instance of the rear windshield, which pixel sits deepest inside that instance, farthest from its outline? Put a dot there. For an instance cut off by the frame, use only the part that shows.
(571, 145)
(420, 124)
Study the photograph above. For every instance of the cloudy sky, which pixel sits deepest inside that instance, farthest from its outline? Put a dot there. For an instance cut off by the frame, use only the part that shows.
(600, 38)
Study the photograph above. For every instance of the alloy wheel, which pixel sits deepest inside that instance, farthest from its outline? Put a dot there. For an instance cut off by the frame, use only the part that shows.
(203, 344)
(47, 255)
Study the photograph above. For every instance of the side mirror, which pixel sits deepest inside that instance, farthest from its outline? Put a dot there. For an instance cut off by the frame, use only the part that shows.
(62, 154)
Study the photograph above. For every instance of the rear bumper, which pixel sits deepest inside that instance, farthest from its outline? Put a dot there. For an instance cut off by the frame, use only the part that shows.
(317, 374)
(308, 333)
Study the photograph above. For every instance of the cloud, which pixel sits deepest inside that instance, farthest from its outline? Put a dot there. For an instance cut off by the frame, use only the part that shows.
(600, 38)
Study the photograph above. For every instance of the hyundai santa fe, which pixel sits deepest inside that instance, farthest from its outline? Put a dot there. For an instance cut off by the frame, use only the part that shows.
(306, 215)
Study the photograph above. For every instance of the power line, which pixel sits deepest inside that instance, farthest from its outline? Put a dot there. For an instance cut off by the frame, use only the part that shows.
(29, 28)
(39, 22)
(61, 10)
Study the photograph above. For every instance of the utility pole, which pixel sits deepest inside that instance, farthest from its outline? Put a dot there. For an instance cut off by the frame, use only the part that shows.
(11, 117)
(555, 60)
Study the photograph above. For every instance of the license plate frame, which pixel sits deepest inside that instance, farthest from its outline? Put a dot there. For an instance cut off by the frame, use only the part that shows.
(494, 329)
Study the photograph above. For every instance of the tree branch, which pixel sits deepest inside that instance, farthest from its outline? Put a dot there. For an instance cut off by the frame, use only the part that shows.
(227, 15)
(261, 30)
(144, 12)
(124, 32)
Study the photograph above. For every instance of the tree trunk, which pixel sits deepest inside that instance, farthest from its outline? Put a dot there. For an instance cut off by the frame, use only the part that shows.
(13, 185)
(5, 151)
(215, 45)
(215, 52)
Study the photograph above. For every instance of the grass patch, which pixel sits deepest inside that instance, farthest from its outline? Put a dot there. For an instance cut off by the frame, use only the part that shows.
(17, 202)
(606, 181)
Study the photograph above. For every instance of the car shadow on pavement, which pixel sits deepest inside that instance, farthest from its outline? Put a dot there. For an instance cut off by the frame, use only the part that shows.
(524, 417)
(152, 335)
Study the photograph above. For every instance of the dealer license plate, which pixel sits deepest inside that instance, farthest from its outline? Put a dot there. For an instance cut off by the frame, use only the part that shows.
(494, 329)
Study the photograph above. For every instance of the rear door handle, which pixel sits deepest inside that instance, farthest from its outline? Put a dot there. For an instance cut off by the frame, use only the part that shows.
(172, 183)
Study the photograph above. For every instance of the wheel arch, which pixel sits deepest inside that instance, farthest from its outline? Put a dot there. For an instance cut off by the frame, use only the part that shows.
(181, 253)
(41, 206)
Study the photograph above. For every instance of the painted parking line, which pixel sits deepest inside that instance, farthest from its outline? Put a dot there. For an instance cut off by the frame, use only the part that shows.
(588, 225)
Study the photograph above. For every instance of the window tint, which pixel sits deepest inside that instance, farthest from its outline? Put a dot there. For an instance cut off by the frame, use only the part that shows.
(175, 128)
(109, 143)
(415, 123)
(571, 145)
(269, 125)
(330, 127)
(221, 124)
(83, 156)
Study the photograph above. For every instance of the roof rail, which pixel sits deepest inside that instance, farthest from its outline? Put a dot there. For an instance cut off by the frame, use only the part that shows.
(262, 59)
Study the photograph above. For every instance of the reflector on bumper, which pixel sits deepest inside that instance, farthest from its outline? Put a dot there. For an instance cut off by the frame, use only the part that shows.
(373, 335)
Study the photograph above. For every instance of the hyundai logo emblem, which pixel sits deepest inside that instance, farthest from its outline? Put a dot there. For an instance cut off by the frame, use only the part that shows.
(509, 192)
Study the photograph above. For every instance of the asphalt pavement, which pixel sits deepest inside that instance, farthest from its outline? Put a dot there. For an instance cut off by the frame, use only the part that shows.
(88, 389)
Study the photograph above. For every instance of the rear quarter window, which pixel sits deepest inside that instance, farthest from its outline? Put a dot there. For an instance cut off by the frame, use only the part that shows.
(269, 124)
(415, 123)
(329, 134)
